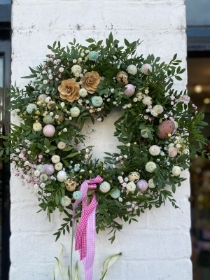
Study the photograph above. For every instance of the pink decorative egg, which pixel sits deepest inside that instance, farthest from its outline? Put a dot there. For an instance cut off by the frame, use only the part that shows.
(142, 185)
(165, 129)
(49, 169)
(130, 89)
(49, 130)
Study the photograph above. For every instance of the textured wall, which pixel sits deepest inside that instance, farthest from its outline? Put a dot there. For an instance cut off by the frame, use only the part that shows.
(158, 246)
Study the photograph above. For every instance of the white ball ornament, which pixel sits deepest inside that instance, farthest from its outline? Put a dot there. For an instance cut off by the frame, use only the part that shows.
(49, 130)
(130, 89)
(61, 176)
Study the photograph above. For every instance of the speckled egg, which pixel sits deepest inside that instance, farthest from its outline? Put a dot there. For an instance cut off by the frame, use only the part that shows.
(49, 130)
(165, 129)
(142, 185)
(70, 185)
(130, 89)
(133, 176)
(122, 77)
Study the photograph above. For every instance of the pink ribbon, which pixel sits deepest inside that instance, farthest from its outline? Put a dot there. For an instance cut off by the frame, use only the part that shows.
(85, 231)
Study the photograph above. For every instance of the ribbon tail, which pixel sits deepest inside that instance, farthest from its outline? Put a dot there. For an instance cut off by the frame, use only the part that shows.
(90, 253)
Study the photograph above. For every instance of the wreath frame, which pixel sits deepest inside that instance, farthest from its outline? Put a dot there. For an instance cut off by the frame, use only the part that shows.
(152, 83)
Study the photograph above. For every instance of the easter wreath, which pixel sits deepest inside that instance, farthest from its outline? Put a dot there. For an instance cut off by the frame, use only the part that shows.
(157, 130)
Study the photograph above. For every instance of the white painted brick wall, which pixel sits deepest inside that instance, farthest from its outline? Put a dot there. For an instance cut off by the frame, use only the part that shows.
(158, 246)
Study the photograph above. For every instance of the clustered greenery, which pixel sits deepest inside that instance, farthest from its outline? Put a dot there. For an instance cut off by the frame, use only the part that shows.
(40, 103)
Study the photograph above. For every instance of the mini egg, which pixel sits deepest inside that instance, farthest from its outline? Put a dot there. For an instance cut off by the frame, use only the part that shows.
(130, 89)
(165, 129)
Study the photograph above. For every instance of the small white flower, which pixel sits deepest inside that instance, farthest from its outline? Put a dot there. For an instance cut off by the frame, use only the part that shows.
(75, 111)
(132, 69)
(150, 166)
(61, 69)
(131, 186)
(55, 158)
(147, 100)
(17, 150)
(36, 173)
(83, 92)
(74, 61)
(61, 145)
(58, 166)
(146, 68)
(65, 130)
(37, 126)
(151, 183)
(45, 82)
(176, 170)
(65, 201)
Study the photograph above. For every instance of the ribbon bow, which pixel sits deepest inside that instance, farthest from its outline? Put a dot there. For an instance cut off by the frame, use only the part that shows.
(85, 231)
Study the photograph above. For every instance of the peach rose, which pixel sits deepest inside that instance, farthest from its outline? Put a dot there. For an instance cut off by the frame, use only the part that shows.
(69, 90)
(90, 81)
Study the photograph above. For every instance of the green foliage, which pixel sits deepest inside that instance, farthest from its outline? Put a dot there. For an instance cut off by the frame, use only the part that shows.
(152, 99)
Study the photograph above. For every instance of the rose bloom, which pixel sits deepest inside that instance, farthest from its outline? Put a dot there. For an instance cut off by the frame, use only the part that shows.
(176, 170)
(76, 69)
(150, 166)
(69, 90)
(90, 81)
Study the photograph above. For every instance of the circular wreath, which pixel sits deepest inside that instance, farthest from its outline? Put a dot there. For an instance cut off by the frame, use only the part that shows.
(156, 130)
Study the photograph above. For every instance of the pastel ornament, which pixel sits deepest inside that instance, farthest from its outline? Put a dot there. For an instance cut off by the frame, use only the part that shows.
(115, 193)
(93, 55)
(75, 111)
(154, 150)
(96, 101)
(40, 168)
(77, 195)
(30, 108)
(150, 166)
(130, 90)
(61, 176)
(146, 68)
(49, 130)
(165, 129)
(172, 151)
(65, 201)
(133, 176)
(132, 69)
(48, 119)
(104, 187)
(176, 170)
(142, 185)
(49, 169)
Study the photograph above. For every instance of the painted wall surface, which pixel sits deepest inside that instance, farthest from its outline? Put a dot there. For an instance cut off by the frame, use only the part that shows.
(158, 246)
